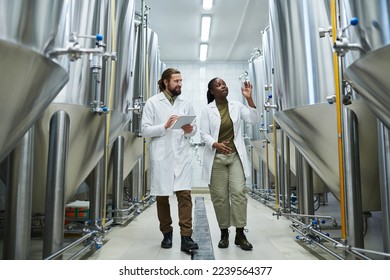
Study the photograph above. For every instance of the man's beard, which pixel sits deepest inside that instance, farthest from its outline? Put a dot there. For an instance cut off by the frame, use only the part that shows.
(175, 91)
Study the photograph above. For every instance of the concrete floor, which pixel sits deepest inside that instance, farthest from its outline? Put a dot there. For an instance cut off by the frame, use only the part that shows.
(271, 238)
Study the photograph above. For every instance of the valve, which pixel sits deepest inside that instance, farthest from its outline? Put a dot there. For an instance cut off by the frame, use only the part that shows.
(138, 104)
(99, 37)
(96, 58)
(331, 99)
(268, 105)
(74, 50)
(323, 31)
(99, 108)
(98, 240)
(342, 45)
(268, 87)
(353, 22)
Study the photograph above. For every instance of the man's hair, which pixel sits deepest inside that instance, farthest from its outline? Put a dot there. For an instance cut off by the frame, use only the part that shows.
(166, 75)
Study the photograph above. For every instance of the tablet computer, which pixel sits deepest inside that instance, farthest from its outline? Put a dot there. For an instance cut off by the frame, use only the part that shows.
(183, 120)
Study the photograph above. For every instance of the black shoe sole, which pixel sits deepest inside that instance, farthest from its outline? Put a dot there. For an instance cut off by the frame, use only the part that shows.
(223, 246)
(189, 249)
(243, 248)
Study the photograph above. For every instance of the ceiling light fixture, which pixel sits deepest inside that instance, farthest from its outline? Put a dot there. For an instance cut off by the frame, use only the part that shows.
(203, 52)
(207, 4)
(205, 28)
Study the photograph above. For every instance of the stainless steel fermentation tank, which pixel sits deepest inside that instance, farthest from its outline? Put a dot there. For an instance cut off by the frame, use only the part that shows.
(30, 79)
(297, 89)
(367, 63)
(365, 50)
(96, 82)
(302, 81)
(284, 68)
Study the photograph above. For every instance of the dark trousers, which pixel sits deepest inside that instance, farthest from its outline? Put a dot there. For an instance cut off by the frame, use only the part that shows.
(184, 203)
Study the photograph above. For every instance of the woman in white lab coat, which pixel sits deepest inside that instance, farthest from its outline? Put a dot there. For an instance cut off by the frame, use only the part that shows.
(225, 163)
(170, 169)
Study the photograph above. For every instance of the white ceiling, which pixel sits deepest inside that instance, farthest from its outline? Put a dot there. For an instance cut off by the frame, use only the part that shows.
(236, 27)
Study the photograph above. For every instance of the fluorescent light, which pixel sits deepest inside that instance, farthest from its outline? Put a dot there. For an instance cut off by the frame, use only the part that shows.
(205, 29)
(207, 4)
(203, 52)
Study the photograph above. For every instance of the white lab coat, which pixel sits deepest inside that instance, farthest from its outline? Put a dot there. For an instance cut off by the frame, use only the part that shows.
(170, 161)
(210, 123)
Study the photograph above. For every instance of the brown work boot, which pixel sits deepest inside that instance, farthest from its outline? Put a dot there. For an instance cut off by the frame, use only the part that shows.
(241, 240)
(224, 242)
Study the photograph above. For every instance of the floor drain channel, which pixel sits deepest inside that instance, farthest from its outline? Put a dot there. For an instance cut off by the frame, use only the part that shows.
(201, 233)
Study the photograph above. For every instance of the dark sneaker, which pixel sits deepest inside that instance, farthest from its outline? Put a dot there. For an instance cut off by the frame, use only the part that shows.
(241, 240)
(167, 241)
(187, 244)
(224, 242)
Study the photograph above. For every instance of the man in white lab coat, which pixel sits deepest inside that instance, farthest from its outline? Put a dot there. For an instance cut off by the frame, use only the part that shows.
(170, 163)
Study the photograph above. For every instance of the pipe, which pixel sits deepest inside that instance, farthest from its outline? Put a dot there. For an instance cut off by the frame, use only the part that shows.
(358, 250)
(147, 91)
(56, 183)
(275, 164)
(384, 171)
(137, 180)
(257, 53)
(317, 243)
(299, 175)
(109, 105)
(307, 188)
(287, 176)
(123, 210)
(267, 171)
(334, 17)
(253, 170)
(147, 85)
(88, 247)
(282, 168)
(95, 194)
(352, 179)
(16, 245)
(307, 216)
(117, 188)
(337, 245)
(70, 246)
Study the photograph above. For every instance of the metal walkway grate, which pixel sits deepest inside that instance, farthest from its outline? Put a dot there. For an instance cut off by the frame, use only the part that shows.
(201, 233)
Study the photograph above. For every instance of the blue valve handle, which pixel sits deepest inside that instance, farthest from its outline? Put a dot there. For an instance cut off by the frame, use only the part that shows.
(354, 21)
(99, 37)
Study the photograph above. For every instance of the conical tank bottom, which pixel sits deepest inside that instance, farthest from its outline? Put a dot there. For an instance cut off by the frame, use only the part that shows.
(29, 81)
